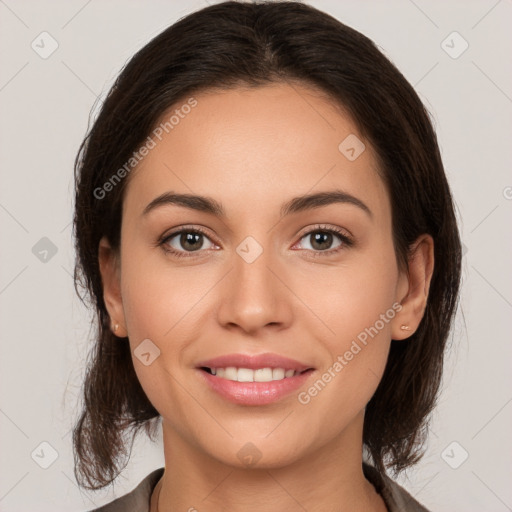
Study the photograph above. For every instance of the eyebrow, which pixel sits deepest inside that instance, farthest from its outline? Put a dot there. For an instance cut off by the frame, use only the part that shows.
(297, 204)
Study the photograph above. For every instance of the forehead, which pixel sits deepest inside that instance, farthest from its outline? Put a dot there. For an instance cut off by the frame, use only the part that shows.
(253, 147)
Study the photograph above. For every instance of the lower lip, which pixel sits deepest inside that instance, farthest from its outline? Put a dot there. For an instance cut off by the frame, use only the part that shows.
(255, 393)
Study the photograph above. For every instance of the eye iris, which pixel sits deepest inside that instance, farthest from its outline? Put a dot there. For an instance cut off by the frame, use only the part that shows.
(187, 241)
(320, 238)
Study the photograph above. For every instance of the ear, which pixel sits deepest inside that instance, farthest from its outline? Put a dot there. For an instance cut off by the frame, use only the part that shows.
(413, 288)
(110, 275)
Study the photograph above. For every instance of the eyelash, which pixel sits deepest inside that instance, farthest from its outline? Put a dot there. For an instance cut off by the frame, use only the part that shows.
(346, 241)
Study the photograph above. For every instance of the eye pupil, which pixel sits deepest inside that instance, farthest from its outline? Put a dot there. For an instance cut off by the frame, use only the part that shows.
(188, 239)
(322, 238)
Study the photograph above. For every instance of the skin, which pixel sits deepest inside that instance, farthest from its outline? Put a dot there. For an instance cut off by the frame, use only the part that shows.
(252, 150)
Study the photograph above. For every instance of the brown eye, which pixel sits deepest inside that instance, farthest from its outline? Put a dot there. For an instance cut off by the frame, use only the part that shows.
(323, 240)
(186, 241)
(191, 241)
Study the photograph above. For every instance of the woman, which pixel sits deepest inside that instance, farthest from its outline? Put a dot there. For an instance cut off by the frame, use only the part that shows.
(264, 226)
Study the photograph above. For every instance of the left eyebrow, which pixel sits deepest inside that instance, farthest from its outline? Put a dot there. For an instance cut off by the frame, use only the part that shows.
(295, 205)
(319, 199)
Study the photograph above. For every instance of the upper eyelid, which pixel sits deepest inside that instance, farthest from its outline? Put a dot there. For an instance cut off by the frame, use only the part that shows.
(325, 227)
(186, 229)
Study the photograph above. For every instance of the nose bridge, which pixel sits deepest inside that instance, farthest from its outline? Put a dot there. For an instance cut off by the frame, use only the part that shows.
(251, 270)
(253, 296)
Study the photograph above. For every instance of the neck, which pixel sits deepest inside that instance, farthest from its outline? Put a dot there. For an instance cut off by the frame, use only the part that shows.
(328, 478)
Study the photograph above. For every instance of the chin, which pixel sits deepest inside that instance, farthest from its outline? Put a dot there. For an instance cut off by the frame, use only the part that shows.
(259, 453)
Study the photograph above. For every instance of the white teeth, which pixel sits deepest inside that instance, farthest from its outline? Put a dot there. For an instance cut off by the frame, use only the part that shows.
(263, 375)
(231, 373)
(245, 375)
(249, 375)
(277, 374)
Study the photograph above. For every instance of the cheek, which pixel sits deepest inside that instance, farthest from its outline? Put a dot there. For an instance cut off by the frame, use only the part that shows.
(350, 297)
(356, 304)
(158, 300)
(357, 359)
(161, 305)
(168, 307)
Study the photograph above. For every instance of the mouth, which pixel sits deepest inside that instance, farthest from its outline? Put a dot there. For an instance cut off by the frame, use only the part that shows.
(254, 379)
(250, 375)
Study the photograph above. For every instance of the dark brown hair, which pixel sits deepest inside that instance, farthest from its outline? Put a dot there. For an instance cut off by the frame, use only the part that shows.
(252, 44)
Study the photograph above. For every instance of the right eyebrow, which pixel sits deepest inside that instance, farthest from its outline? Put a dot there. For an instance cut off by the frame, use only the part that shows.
(194, 202)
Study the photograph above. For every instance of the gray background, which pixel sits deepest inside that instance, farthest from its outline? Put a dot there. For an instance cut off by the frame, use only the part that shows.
(45, 331)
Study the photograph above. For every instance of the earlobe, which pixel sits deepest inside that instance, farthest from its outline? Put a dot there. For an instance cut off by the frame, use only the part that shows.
(418, 277)
(110, 275)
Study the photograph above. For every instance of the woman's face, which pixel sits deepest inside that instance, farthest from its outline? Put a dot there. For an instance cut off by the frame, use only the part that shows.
(277, 275)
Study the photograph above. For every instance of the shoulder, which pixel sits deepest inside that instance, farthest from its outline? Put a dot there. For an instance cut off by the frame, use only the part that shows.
(137, 500)
(396, 498)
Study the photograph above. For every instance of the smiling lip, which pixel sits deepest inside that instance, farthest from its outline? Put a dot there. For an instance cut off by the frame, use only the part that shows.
(254, 393)
(254, 362)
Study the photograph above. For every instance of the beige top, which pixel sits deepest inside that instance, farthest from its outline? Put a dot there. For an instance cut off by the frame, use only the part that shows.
(396, 498)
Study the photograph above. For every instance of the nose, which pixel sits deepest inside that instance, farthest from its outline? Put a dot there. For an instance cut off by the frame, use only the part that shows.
(254, 296)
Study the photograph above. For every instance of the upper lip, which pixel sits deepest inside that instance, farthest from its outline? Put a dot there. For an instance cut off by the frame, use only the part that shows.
(254, 362)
